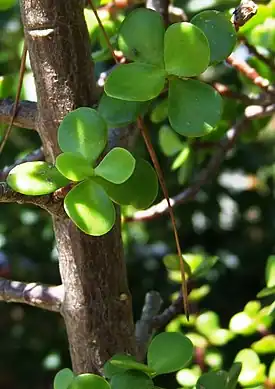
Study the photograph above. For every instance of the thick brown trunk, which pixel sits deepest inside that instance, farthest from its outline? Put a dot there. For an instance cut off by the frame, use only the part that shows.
(97, 308)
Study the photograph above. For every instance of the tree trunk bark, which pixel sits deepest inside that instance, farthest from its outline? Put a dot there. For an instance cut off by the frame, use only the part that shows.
(97, 309)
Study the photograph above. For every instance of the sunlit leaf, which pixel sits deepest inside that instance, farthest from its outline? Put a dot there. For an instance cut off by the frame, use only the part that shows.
(83, 131)
(265, 345)
(186, 50)
(243, 324)
(73, 166)
(90, 208)
(253, 372)
(270, 272)
(36, 178)
(117, 166)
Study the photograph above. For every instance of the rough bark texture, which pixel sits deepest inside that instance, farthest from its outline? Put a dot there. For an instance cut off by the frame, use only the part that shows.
(97, 305)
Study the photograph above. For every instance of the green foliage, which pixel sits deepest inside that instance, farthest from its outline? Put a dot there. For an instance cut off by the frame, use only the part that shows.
(63, 379)
(140, 190)
(35, 178)
(186, 50)
(89, 381)
(90, 208)
(117, 166)
(169, 352)
(83, 131)
(221, 44)
(194, 107)
(142, 44)
(118, 113)
(74, 166)
(7, 4)
(149, 82)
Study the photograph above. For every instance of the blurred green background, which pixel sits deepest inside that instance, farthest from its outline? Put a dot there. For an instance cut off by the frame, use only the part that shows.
(233, 219)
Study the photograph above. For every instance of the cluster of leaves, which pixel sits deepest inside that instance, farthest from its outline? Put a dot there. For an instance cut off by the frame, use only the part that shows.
(82, 136)
(194, 108)
(207, 335)
(173, 56)
(168, 352)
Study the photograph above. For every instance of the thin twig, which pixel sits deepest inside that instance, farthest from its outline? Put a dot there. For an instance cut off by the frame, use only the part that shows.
(102, 29)
(17, 97)
(253, 50)
(36, 155)
(47, 202)
(144, 329)
(37, 295)
(25, 116)
(209, 172)
(244, 68)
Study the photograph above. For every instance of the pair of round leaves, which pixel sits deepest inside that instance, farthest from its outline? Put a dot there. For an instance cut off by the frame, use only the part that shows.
(65, 379)
(168, 352)
(184, 50)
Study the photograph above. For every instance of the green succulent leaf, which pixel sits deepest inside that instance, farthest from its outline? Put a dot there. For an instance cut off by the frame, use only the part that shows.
(36, 178)
(169, 352)
(253, 372)
(83, 131)
(265, 345)
(90, 208)
(160, 111)
(111, 369)
(207, 323)
(132, 379)
(117, 166)
(271, 374)
(183, 158)
(135, 82)
(219, 31)
(266, 292)
(169, 141)
(118, 113)
(233, 375)
(63, 379)
(121, 362)
(270, 271)
(198, 294)
(140, 190)
(188, 377)
(7, 4)
(211, 380)
(204, 267)
(220, 337)
(141, 37)
(243, 324)
(89, 381)
(186, 50)
(194, 107)
(73, 166)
